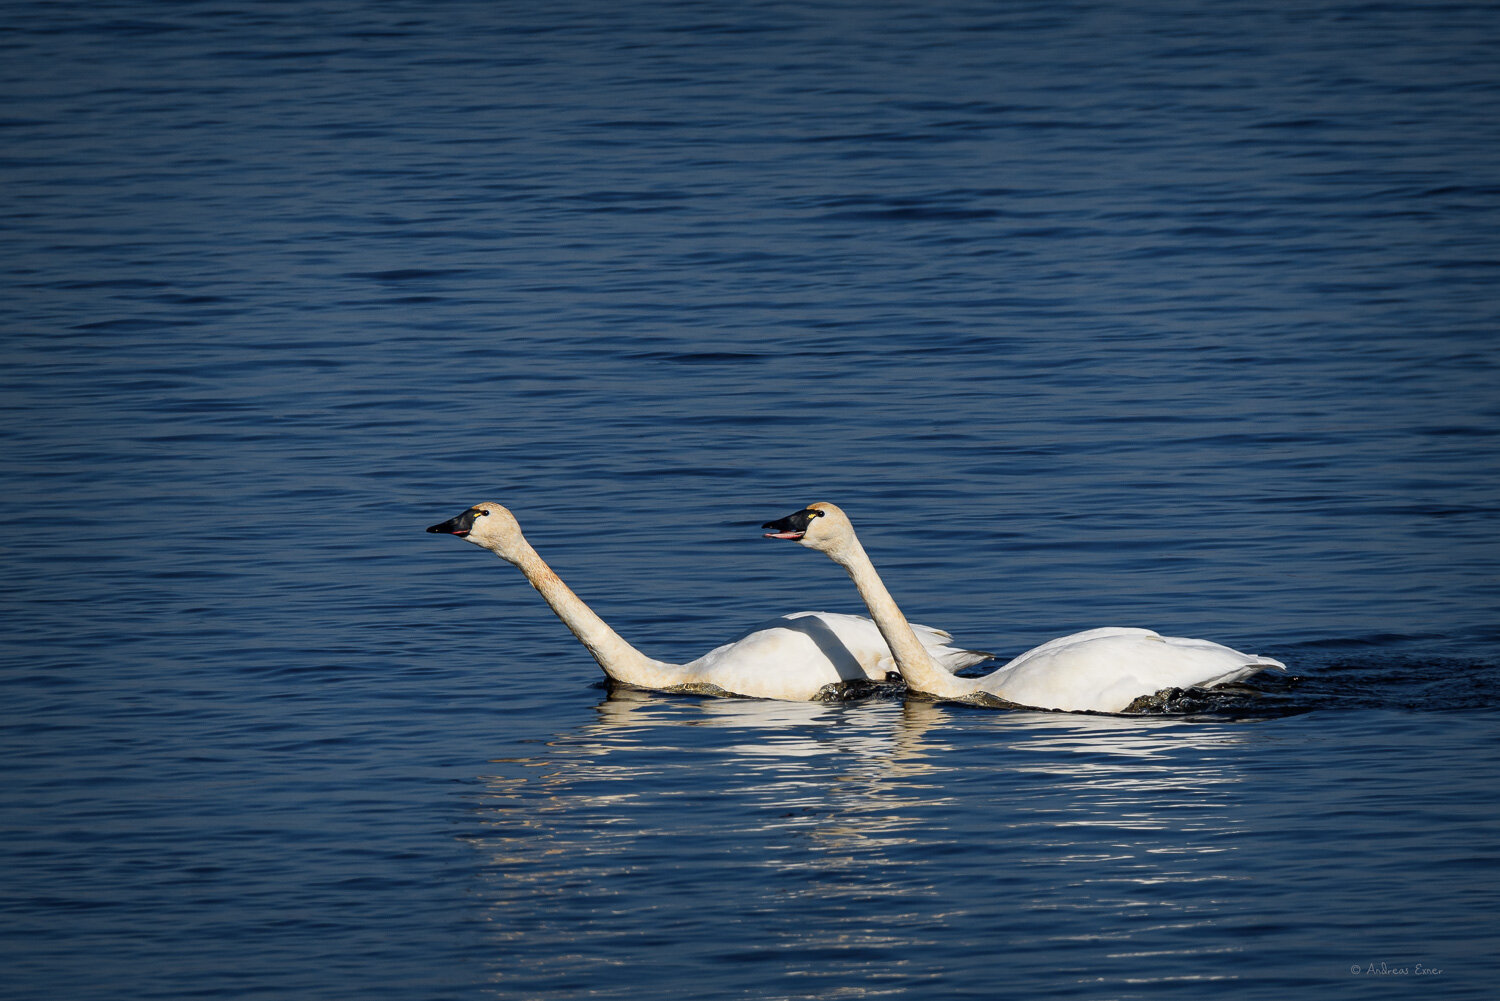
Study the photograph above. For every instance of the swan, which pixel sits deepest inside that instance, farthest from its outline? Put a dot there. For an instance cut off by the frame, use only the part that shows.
(1098, 670)
(806, 656)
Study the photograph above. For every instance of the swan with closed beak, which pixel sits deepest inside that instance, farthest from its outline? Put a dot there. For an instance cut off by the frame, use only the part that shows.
(1099, 670)
(805, 656)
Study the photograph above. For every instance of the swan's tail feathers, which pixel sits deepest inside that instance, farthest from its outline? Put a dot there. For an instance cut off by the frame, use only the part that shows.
(957, 659)
(939, 644)
(1264, 664)
(1257, 665)
(1224, 664)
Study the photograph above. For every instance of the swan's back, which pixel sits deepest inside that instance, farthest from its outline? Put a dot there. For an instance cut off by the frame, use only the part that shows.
(1104, 670)
(792, 652)
(858, 633)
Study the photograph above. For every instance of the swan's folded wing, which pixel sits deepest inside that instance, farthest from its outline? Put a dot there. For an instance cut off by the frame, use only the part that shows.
(862, 638)
(1104, 670)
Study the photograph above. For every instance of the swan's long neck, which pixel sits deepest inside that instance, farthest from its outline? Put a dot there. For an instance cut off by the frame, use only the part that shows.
(620, 660)
(917, 668)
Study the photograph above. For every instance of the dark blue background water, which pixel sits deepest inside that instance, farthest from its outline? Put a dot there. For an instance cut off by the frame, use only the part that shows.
(1160, 314)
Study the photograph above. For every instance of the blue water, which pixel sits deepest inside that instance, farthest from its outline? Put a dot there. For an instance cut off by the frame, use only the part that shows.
(1157, 313)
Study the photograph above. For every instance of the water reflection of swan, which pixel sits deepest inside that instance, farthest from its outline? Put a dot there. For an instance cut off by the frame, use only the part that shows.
(803, 656)
(1099, 670)
(842, 830)
(877, 759)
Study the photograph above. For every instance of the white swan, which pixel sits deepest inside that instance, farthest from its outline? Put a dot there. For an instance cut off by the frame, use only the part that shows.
(800, 657)
(1099, 670)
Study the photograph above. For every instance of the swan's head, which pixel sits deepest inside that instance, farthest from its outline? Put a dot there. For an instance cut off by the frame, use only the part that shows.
(489, 525)
(820, 526)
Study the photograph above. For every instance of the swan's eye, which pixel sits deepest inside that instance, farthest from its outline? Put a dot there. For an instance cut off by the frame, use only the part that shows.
(482, 513)
(814, 513)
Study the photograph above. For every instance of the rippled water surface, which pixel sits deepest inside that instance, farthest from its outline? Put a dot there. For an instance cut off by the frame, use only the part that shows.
(1150, 313)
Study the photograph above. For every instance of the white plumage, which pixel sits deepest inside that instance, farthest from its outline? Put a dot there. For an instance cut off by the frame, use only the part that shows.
(794, 657)
(1105, 670)
(1098, 670)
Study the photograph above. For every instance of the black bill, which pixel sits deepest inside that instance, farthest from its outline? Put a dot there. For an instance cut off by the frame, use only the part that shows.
(793, 526)
(460, 526)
